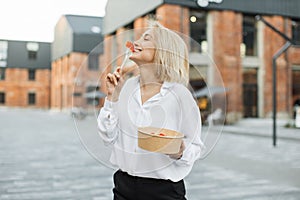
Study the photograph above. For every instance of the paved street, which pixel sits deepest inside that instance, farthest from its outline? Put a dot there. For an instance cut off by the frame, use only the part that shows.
(43, 155)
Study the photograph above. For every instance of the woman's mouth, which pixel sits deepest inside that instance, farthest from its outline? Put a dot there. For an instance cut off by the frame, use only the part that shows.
(137, 49)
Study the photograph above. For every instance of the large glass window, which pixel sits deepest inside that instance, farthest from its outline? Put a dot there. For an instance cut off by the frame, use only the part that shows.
(198, 31)
(249, 45)
(296, 31)
(3, 53)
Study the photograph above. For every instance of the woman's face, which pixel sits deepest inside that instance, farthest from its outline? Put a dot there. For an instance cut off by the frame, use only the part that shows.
(144, 49)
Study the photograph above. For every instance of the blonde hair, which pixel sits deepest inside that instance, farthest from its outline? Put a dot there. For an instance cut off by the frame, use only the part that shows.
(171, 54)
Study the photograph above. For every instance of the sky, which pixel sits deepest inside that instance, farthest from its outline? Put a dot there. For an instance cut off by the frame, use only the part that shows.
(34, 20)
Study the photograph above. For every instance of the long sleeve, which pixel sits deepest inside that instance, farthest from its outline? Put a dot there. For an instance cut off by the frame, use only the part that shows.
(108, 122)
(191, 128)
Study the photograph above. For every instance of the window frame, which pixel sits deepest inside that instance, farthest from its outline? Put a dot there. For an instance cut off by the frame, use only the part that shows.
(92, 101)
(32, 50)
(2, 97)
(31, 74)
(201, 39)
(31, 98)
(253, 50)
(93, 61)
(296, 31)
(3, 53)
(2, 73)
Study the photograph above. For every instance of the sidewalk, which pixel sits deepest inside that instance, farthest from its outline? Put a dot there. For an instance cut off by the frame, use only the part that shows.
(262, 128)
(43, 157)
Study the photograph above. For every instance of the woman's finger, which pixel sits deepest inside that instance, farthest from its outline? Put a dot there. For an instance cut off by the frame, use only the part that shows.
(110, 77)
(117, 75)
(182, 146)
(113, 79)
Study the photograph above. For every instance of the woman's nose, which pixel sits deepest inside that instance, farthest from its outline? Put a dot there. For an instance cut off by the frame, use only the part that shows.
(135, 43)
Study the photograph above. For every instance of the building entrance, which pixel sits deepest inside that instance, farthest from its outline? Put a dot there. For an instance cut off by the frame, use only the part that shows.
(250, 93)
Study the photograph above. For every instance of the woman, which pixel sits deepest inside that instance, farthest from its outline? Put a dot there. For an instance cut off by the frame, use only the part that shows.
(157, 97)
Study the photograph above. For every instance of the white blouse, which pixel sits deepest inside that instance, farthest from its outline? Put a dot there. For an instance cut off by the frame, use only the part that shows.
(173, 108)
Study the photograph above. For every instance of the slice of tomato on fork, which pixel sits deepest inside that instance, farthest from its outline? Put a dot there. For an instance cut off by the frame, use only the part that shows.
(130, 46)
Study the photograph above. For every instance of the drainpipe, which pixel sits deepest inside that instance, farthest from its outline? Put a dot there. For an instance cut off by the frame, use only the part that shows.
(288, 43)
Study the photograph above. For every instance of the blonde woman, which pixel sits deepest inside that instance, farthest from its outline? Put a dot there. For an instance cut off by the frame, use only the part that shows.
(157, 97)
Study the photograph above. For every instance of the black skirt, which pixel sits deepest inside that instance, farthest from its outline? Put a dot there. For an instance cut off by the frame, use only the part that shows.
(127, 187)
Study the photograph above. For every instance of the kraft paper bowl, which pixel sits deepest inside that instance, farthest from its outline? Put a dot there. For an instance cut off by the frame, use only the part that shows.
(149, 139)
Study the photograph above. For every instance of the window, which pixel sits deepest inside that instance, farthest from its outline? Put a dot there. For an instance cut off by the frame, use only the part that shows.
(198, 31)
(249, 45)
(129, 26)
(3, 53)
(296, 31)
(296, 81)
(2, 98)
(32, 48)
(77, 94)
(2, 73)
(31, 98)
(92, 100)
(32, 55)
(31, 74)
(93, 61)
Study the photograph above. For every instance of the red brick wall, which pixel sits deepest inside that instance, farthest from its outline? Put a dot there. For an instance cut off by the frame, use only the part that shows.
(17, 86)
(227, 28)
(294, 55)
(170, 16)
(174, 17)
(107, 58)
(272, 43)
(71, 74)
(64, 70)
(139, 27)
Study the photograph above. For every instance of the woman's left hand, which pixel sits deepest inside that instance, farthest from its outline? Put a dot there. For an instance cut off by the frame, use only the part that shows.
(178, 155)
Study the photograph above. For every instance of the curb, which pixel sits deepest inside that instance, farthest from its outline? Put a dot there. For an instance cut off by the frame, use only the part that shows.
(264, 135)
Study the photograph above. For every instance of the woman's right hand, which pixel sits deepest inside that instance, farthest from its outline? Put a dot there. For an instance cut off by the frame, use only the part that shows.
(114, 84)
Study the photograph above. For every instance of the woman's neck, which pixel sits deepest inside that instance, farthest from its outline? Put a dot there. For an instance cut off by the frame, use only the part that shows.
(148, 76)
(149, 83)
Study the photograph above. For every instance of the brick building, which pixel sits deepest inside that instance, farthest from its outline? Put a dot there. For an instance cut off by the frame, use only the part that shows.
(228, 32)
(24, 74)
(55, 75)
(76, 56)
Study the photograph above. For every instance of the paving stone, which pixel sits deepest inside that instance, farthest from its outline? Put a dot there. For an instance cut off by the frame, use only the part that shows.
(42, 156)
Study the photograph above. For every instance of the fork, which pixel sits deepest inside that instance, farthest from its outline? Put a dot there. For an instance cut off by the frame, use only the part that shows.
(127, 54)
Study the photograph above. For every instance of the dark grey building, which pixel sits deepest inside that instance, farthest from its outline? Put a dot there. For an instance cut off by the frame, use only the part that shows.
(25, 54)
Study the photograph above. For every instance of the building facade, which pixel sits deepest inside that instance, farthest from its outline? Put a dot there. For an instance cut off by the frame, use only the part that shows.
(58, 75)
(75, 59)
(24, 74)
(229, 34)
